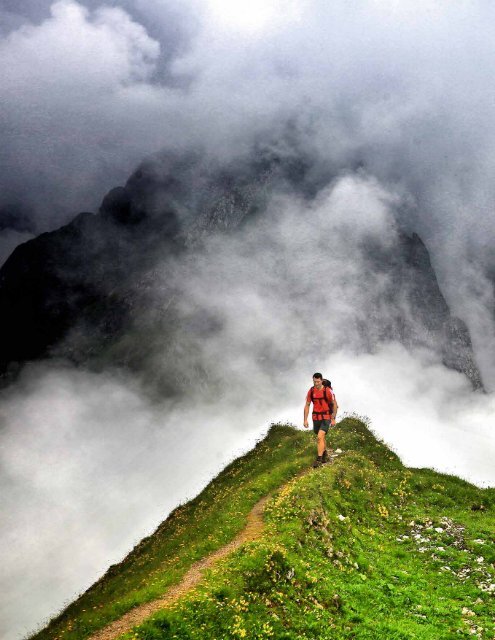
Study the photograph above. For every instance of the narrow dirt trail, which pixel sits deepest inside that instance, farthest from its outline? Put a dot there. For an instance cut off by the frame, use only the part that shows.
(251, 531)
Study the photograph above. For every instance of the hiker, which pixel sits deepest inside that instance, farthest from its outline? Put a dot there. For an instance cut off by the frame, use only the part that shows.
(324, 412)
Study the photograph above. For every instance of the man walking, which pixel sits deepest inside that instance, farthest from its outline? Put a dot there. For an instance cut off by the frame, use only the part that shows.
(324, 412)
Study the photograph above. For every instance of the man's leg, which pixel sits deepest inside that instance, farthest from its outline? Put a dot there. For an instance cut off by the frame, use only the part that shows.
(320, 431)
(325, 425)
(316, 430)
(321, 442)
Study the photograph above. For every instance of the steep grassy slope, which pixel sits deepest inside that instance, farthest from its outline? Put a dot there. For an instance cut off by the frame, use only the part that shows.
(190, 532)
(363, 548)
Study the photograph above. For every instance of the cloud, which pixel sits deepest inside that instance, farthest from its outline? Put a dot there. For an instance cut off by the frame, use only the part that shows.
(378, 83)
(75, 94)
(403, 90)
(86, 94)
(255, 302)
(87, 469)
(409, 398)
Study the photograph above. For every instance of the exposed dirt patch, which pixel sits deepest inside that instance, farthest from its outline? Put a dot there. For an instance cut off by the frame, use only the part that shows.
(251, 531)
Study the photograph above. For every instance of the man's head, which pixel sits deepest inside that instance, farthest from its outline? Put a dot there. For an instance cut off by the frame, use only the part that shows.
(317, 380)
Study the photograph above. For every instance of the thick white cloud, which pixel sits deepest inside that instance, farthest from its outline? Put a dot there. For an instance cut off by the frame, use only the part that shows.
(87, 469)
(428, 414)
(76, 99)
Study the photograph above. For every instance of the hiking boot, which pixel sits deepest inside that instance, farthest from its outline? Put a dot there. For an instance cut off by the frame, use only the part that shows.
(324, 457)
(317, 463)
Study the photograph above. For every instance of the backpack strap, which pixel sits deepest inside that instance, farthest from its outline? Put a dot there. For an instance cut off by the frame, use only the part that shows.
(329, 402)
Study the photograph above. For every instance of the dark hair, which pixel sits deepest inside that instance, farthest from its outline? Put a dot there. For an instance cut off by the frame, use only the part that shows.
(318, 375)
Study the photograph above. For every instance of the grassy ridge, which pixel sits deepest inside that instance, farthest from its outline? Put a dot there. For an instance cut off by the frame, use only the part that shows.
(192, 531)
(364, 549)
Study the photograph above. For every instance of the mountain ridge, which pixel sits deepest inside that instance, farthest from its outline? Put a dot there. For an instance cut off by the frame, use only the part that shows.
(79, 293)
(361, 548)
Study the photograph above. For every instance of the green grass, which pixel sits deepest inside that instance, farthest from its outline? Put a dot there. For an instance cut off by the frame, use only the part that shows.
(364, 548)
(192, 531)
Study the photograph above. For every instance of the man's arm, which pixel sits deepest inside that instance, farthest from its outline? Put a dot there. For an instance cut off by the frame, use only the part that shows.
(306, 412)
(335, 408)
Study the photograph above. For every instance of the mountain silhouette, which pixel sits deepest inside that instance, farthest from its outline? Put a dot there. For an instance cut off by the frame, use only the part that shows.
(77, 292)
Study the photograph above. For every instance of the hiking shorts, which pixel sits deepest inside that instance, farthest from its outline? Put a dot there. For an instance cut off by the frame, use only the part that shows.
(321, 425)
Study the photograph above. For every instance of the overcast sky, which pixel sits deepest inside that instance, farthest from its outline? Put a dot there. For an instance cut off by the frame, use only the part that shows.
(403, 90)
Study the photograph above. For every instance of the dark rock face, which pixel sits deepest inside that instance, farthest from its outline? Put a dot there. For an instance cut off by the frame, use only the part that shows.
(54, 279)
(419, 315)
(431, 311)
(117, 206)
(78, 291)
